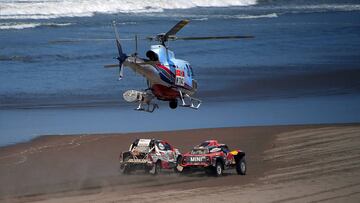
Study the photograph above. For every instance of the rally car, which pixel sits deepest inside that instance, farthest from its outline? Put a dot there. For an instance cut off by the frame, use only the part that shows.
(150, 155)
(213, 158)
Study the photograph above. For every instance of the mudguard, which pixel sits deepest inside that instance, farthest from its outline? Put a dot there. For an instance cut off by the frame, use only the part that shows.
(238, 153)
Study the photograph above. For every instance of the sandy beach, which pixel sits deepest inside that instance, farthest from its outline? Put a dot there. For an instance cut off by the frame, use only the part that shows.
(303, 163)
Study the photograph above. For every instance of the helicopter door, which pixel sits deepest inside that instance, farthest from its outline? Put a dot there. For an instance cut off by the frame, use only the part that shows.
(180, 77)
(188, 75)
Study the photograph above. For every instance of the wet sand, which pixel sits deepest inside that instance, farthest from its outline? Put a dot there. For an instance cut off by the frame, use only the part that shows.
(301, 163)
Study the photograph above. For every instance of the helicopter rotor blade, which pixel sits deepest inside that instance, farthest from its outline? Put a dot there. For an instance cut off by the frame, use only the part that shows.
(78, 40)
(176, 28)
(215, 37)
(121, 71)
(136, 45)
(111, 66)
(171, 37)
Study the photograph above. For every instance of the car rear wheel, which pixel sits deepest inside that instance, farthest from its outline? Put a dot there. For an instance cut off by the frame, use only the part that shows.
(241, 166)
(125, 169)
(156, 168)
(219, 168)
(147, 170)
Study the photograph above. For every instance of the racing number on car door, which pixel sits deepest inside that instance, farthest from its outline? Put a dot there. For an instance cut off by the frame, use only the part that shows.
(170, 152)
(166, 152)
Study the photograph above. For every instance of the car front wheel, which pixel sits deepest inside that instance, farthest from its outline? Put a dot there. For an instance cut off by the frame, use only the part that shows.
(178, 168)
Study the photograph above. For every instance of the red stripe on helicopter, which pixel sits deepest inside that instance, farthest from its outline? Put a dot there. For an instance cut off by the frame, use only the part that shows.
(165, 68)
(165, 93)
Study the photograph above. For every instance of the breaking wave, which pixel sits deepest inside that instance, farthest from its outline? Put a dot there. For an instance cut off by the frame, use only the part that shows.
(20, 25)
(314, 8)
(242, 16)
(41, 9)
(270, 15)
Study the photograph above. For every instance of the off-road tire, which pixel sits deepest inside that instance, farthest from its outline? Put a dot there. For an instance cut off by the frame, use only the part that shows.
(156, 168)
(185, 171)
(147, 170)
(241, 166)
(125, 169)
(219, 168)
(178, 162)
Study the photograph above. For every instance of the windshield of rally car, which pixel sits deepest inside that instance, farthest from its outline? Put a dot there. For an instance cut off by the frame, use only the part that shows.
(143, 149)
(142, 145)
(200, 151)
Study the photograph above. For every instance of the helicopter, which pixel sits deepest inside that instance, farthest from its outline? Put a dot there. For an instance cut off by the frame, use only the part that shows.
(168, 78)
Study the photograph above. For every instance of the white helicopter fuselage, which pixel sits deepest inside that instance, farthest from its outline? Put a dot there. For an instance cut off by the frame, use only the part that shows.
(166, 75)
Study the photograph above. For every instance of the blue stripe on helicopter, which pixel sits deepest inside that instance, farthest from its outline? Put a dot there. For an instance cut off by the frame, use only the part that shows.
(165, 78)
(164, 75)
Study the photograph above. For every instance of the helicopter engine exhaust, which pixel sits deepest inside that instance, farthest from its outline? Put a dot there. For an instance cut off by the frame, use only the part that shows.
(152, 55)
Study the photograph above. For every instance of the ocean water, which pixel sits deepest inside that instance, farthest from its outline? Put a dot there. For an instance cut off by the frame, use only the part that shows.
(52, 54)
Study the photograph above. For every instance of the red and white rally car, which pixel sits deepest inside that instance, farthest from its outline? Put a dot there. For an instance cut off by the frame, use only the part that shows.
(150, 155)
(214, 158)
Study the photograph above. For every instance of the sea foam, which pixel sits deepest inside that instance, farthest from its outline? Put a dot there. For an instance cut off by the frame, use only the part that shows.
(40, 9)
(26, 25)
(270, 15)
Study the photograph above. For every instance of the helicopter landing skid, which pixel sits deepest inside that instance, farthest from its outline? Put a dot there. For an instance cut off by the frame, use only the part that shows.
(192, 102)
(149, 107)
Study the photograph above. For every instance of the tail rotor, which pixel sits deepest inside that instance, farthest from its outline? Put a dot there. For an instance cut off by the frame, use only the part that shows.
(121, 57)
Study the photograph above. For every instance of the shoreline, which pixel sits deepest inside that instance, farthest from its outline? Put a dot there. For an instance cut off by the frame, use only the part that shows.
(23, 125)
(40, 137)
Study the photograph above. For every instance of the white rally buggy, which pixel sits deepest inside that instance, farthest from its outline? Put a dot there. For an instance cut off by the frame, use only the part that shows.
(150, 155)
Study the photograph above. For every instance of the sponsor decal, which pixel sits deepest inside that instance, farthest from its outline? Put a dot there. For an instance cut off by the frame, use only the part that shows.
(180, 73)
(180, 78)
(144, 142)
(197, 159)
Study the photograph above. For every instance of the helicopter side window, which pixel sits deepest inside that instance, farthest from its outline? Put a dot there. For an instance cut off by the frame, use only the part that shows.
(191, 71)
(188, 70)
(152, 56)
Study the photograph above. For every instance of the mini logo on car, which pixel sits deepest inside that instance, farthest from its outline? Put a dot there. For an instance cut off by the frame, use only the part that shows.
(197, 159)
